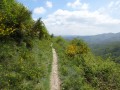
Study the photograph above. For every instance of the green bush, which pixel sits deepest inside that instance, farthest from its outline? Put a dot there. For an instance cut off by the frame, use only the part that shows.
(86, 71)
(22, 68)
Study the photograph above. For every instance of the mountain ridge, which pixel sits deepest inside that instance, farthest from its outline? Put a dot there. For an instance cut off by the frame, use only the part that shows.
(106, 37)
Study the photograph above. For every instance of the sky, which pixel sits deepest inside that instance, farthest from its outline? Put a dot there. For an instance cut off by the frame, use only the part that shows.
(76, 17)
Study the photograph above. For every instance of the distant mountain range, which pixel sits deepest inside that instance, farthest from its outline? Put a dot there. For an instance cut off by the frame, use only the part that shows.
(96, 39)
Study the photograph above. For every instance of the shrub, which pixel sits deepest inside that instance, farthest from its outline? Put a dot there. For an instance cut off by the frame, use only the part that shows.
(72, 50)
(84, 71)
(77, 47)
(25, 69)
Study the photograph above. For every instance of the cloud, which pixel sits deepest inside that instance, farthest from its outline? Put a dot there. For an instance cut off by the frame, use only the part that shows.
(114, 4)
(49, 4)
(39, 10)
(78, 5)
(86, 17)
(111, 9)
(80, 22)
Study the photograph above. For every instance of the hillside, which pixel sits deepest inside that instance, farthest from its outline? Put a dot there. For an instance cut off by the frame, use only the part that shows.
(80, 69)
(104, 45)
(25, 52)
(27, 63)
(105, 50)
(96, 39)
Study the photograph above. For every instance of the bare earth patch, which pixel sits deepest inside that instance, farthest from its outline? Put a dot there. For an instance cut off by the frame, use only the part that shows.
(54, 79)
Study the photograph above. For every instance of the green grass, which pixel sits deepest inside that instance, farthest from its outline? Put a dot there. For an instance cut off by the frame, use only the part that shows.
(24, 68)
(86, 71)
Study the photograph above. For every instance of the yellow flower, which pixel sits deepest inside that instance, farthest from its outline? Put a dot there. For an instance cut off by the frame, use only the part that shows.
(71, 50)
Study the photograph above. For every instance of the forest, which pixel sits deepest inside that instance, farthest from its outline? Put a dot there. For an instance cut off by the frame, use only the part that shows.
(26, 56)
(105, 50)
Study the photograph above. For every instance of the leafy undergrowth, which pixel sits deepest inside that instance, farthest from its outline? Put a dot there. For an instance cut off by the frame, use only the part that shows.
(86, 71)
(24, 68)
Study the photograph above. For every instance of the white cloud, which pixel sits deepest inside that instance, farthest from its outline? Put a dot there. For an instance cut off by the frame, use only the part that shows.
(114, 3)
(82, 17)
(111, 8)
(39, 10)
(80, 22)
(78, 5)
(49, 4)
(84, 6)
(111, 4)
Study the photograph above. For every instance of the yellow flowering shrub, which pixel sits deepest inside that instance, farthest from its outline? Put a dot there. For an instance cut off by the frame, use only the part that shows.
(72, 50)
(77, 47)
(4, 30)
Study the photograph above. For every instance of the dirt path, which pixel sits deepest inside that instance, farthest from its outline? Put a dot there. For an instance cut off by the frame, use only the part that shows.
(54, 79)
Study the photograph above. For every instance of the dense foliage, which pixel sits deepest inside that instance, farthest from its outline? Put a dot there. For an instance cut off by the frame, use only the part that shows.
(111, 50)
(25, 69)
(25, 52)
(16, 22)
(25, 56)
(84, 71)
(14, 17)
(77, 47)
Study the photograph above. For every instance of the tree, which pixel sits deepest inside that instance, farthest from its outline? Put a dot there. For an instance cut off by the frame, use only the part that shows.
(52, 35)
(15, 20)
(40, 30)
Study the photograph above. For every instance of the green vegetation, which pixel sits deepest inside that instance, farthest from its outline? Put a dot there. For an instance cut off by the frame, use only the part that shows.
(14, 18)
(111, 50)
(26, 56)
(16, 22)
(25, 69)
(84, 71)
(25, 52)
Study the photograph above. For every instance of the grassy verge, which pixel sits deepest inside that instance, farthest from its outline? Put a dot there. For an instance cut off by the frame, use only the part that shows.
(24, 68)
(86, 71)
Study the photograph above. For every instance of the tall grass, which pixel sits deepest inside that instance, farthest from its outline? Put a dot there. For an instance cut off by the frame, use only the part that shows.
(24, 68)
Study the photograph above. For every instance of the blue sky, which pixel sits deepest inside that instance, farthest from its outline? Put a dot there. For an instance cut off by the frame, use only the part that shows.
(77, 17)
